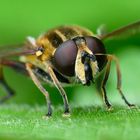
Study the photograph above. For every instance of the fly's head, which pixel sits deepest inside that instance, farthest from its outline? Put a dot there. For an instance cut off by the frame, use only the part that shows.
(75, 57)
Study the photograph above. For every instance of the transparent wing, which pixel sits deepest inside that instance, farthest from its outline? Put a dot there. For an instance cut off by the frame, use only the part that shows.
(15, 50)
(123, 32)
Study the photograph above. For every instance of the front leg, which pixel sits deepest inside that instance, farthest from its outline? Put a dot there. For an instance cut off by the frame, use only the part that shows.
(61, 90)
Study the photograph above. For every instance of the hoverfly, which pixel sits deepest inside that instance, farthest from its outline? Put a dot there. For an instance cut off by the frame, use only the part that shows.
(65, 55)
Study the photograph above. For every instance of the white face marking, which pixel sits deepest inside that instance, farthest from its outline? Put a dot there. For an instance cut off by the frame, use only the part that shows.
(79, 68)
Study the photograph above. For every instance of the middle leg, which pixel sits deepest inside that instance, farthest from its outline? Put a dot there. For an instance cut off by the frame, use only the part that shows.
(119, 79)
(41, 88)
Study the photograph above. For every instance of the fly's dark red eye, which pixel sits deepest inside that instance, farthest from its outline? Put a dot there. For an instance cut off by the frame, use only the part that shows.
(96, 46)
(64, 58)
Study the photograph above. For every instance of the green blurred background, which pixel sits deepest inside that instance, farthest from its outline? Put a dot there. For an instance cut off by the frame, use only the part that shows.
(19, 19)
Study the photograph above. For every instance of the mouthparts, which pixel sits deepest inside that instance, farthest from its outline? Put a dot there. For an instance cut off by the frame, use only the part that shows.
(86, 58)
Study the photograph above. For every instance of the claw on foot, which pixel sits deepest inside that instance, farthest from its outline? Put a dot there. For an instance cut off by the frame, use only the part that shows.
(132, 106)
(110, 109)
(66, 115)
(47, 116)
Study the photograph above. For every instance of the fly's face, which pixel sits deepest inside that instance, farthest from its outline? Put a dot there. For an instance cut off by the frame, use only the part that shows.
(75, 58)
(86, 67)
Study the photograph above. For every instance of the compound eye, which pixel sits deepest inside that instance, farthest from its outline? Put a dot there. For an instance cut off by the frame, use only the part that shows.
(65, 56)
(94, 44)
(97, 47)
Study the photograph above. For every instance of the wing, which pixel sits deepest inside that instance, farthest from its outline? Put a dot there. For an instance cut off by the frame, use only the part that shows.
(125, 31)
(15, 50)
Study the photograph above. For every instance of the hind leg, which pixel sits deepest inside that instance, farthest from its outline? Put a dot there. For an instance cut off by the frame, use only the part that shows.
(5, 85)
(16, 66)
